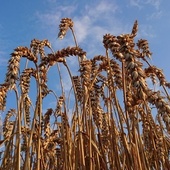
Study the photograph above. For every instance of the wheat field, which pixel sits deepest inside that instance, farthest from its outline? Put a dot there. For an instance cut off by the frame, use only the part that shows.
(120, 114)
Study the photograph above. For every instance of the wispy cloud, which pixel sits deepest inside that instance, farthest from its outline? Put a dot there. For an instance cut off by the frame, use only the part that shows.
(135, 3)
(142, 3)
(82, 26)
(146, 31)
(155, 3)
(155, 15)
(90, 24)
(3, 53)
(97, 20)
(51, 17)
(48, 18)
(102, 8)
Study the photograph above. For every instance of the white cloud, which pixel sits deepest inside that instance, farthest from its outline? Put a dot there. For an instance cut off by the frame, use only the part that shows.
(82, 26)
(90, 23)
(146, 31)
(155, 3)
(3, 54)
(102, 9)
(48, 19)
(135, 3)
(155, 15)
(52, 17)
(142, 3)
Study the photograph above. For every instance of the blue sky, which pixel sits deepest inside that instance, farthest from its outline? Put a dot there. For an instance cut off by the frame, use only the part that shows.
(22, 21)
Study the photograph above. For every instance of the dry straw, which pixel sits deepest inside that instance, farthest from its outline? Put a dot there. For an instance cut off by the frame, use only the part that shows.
(118, 120)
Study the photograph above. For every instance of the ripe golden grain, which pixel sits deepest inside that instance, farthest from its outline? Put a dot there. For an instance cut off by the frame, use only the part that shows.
(113, 108)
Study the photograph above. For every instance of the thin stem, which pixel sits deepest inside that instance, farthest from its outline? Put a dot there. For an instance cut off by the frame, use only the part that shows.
(74, 36)
(18, 144)
(26, 63)
(39, 109)
(124, 96)
(61, 82)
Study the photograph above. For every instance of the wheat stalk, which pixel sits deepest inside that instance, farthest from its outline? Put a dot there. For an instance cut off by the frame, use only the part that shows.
(119, 120)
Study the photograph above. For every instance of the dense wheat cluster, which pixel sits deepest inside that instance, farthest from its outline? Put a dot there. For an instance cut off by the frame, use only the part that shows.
(119, 119)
